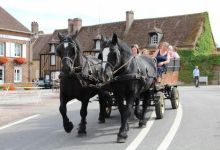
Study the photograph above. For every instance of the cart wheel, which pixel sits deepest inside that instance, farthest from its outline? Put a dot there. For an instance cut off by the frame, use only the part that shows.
(175, 98)
(160, 105)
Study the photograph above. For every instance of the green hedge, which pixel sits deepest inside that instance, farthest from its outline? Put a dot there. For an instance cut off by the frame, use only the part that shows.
(205, 63)
(200, 56)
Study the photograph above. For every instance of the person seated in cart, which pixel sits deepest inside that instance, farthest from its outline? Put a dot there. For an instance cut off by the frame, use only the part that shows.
(173, 52)
(163, 58)
(134, 49)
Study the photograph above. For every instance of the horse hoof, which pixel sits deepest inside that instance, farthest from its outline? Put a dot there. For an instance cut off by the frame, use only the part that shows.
(101, 121)
(142, 124)
(81, 133)
(68, 127)
(121, 140)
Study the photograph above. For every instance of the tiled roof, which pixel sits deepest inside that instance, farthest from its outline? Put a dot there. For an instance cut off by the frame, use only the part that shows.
(88, 34)
(8, 22)
(181, 31)
(177, 30)
(40, 45)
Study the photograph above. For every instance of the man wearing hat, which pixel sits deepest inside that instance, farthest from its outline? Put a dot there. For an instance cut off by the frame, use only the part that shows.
(134, 49)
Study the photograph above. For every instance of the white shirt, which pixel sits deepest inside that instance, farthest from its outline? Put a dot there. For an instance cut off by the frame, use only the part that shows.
(176, 55)
(196, 72)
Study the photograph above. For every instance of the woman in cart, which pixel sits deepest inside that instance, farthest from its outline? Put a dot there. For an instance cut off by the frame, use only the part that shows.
(163, 58)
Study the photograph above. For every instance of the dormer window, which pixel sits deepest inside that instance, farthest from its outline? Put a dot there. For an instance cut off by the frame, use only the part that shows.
(154, 39)
(97, 42)
(52, 48)
(155, 36)
(97, 45)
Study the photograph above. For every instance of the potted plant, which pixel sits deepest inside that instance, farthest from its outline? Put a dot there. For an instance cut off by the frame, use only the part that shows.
(3, 60)
(20, 60)
(27, 86)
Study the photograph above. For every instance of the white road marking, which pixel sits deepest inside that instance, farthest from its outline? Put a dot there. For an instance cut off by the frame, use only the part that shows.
(19, 121)
(172, 132)
(135, 143)
(28, 118)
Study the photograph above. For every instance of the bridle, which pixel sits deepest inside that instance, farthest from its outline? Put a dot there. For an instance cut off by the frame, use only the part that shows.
(123, 65)
(72, 60)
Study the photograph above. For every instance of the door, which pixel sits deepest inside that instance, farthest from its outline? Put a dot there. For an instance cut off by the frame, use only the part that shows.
(1, 74)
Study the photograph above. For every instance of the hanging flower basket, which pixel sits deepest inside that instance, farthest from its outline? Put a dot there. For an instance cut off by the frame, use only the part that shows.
(20, 60)
(3, 60)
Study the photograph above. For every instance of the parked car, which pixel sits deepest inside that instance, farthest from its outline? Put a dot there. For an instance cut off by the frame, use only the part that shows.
(47, 84)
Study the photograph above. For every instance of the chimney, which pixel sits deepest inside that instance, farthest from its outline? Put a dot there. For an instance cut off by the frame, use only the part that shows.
(34, 28)
(129, 20)
(70, 26)
(77, 24)
(74, 25)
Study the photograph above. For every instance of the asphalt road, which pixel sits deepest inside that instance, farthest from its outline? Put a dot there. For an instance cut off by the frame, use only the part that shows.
(194, 126)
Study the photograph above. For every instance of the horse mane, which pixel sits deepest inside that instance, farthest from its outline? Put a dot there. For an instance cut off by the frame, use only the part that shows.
(124, 48)
(78, 45)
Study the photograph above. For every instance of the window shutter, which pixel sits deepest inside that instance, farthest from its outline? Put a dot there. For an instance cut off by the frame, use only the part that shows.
(12, 49)
(8, 49)
(24, 52)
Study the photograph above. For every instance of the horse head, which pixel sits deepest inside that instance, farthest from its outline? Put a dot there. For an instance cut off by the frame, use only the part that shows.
(67, 50)
(114, 55)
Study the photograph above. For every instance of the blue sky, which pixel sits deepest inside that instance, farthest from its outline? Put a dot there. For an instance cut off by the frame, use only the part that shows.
(53, 14)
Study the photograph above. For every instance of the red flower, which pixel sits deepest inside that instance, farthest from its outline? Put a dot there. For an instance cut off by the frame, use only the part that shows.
(9, 86)
(20, 60)
(3, 60)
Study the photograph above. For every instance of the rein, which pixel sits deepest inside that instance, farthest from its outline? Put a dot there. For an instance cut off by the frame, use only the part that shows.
(114, 72)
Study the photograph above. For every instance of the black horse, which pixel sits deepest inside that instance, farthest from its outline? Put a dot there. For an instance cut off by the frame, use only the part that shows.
(78, 79)
(130, 77)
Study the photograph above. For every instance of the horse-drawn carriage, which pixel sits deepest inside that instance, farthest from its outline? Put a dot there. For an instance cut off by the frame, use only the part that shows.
(130, 79)
(167, 89)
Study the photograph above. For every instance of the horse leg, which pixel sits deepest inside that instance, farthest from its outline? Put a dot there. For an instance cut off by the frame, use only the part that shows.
(137, 110)
(102, 107)
(68, 126)
(143, 117)
(125, 111)
(83, 114)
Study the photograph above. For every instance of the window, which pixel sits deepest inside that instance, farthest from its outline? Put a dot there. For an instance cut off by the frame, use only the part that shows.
(153, 39)
(2, 49)
(97, 45)
(52, 48)
(17, 74)
(1, 74)
(18, 50)
(52, 60)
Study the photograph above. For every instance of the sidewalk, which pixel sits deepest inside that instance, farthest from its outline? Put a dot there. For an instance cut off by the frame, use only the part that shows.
(16, 105)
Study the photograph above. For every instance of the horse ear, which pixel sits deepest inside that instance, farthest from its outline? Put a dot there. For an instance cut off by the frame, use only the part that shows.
(60, 36)
(115, 39)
